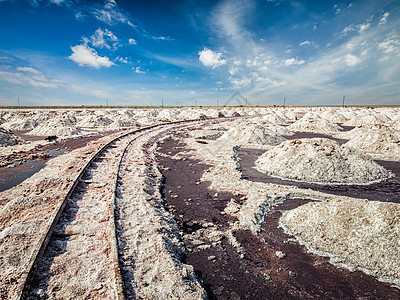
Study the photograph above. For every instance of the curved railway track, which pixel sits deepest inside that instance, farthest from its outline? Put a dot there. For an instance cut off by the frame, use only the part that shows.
(84, 219)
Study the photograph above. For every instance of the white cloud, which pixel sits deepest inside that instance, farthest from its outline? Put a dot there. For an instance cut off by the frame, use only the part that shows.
(28, 69)
(305, 43)
(360, 28)
(240, 82)
(349, 28)
(124, 60)
(101, 39)
(210, 58)
(351, 60)
(138, 70)
(111, 14)
(363, 27)
(58, 2)
(293, 61)
(288, 51)
(383, 20)
(132, 42)
(390, 45)
(62, 2)
(29, 76)
(86, 56)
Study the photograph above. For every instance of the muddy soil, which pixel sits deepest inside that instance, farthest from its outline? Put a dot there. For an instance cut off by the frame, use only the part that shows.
(260, 274)
(387, 191)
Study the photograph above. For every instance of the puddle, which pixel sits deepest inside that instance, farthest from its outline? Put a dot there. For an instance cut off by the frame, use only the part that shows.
(10, 177)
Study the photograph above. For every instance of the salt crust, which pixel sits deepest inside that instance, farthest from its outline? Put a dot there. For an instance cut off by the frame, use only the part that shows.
(7, 138)
(320, 160)
(314, 123)
(26, 209)
(374, 139)
(224, 176)
(371, 119)
(23, 218)
(355, 233)
(251, 134)
(152, 245)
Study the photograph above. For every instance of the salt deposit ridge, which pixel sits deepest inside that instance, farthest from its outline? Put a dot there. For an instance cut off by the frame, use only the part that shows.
(320, 161)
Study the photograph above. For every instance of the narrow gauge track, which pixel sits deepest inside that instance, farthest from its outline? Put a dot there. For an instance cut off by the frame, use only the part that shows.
(84, 220)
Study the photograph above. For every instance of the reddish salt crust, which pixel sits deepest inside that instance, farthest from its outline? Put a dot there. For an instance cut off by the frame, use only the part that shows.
(261, 274)
(387, 191)
(309, 135)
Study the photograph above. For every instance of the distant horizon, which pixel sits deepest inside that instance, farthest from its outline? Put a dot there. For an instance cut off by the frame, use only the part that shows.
(177, 53)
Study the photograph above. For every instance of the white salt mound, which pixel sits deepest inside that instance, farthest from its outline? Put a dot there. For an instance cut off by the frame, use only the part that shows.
(60, 131)
(320, 160)
(21, 124)
(333, 116)
(274, 118)
(373, 138)
(367, 119)
(358, 233)
(314, 124)
(8, 138)
(93, 121)
(251, 134)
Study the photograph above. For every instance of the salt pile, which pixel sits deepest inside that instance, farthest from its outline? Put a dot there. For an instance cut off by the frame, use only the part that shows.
(62, 125)
(166, 115)
(313, 123)
(333, 116)
(373, 138)
(252, 134)
(368, 119)
(358, 233)
(20, 124)
(278, 129)
(7, 138)
(320, 160)
(92, 121)
(60, 131)
(275, 119)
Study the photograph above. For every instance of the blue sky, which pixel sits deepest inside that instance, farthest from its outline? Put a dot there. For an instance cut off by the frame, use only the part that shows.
(73, 52)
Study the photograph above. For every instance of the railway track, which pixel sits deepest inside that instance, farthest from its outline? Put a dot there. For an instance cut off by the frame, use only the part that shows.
(77, 257)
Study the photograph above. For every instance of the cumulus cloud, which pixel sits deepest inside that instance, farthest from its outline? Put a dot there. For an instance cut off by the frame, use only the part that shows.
(363, 27)
(103, 38)
(132, 42)
(293, 61)
(383, 20)
(86, 56)
(210, 58)
(138, 70)
(124, 60)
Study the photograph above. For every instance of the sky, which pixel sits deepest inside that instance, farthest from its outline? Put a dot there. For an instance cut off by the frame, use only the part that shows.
(75, 52)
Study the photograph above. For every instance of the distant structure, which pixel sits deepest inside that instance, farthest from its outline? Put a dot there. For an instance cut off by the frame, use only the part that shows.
(239, 98)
